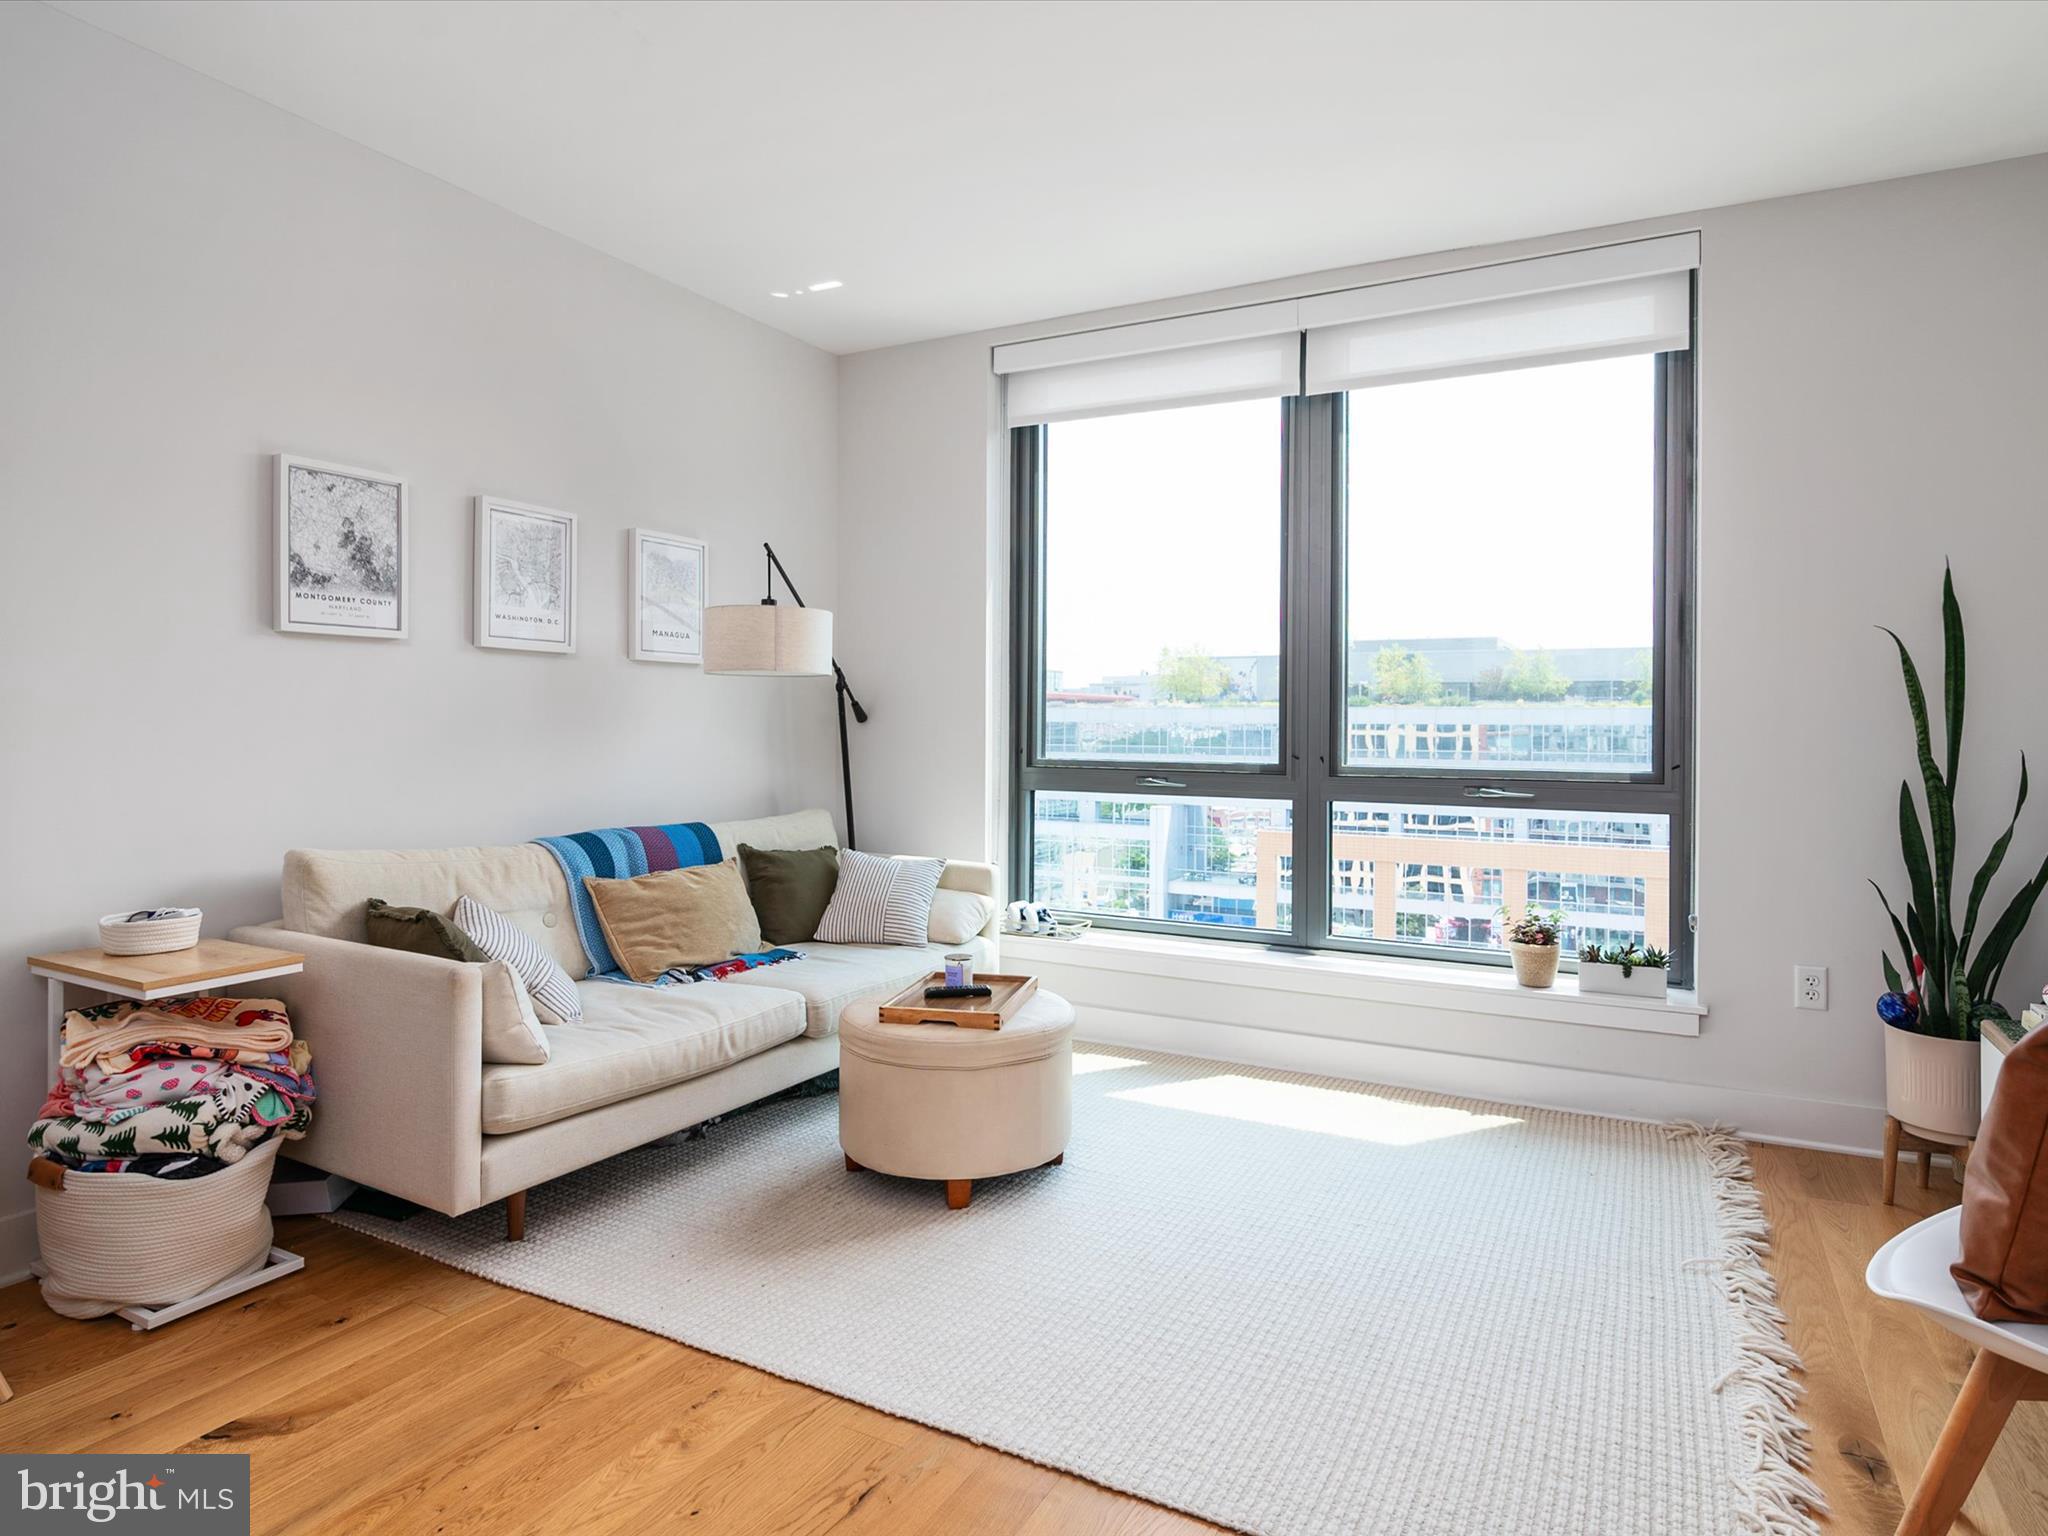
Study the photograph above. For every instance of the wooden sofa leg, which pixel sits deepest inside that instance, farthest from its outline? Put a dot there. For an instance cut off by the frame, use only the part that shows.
(515, 1217)
(958, 1193)
(851, 1165)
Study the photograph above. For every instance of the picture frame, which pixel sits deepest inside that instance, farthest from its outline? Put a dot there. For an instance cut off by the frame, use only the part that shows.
(668, 577)
(342, 553)
(525, 577)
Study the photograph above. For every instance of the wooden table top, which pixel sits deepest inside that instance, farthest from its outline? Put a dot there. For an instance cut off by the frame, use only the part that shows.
(207, 961)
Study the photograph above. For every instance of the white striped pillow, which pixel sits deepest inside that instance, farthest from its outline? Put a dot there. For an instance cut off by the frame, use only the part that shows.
(880, 901)
(553, 993)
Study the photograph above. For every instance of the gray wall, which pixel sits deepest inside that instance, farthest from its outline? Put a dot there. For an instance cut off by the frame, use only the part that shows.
(191, 281)
(1871, 400)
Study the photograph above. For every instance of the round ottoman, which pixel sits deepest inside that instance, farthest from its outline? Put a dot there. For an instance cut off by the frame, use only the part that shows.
(934, 1101)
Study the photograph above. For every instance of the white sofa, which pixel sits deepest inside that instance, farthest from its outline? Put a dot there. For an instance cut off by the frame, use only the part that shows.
(408, 1104)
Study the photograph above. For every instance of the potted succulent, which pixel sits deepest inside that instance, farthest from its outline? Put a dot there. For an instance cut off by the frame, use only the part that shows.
(1624, 969)
(1532, 940)
(1931, 1057)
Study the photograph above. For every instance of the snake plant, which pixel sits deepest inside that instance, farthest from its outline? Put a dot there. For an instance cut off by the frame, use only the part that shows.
(1955, 988)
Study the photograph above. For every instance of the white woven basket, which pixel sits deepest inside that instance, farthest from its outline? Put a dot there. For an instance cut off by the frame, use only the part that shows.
(156, 937)
(113, 1240)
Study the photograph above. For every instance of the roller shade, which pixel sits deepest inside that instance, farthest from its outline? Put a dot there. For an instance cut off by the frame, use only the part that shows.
(1249, 353)
(1606, 301)
(1609, 301)
(1645, 314)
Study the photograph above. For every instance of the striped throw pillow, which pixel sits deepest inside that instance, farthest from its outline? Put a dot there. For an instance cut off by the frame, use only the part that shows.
(880, 901)
(553, 993)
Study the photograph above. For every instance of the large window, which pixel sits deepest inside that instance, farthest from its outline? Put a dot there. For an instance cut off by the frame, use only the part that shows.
(1358, 666)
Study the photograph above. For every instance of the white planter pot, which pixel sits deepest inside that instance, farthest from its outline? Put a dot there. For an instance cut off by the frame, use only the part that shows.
(1535, 964)
(1641, 981)
(1931, 1085)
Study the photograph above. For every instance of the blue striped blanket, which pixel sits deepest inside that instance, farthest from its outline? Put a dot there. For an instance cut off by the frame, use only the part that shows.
(620, 853)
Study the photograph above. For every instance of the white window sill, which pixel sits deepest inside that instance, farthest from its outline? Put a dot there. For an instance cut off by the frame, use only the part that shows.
(1489, 989)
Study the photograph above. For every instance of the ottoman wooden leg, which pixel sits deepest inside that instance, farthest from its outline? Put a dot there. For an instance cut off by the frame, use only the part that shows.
(958, 1193)
(852, 1166)
(1054, 1161)
(1891, 1158)
(515, 1217)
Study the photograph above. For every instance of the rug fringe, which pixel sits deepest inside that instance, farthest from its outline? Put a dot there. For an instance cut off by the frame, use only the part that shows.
(1782, 1499)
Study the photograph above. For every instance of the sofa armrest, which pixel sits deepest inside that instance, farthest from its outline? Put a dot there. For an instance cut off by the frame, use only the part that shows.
(982, 880)
(397, 1046)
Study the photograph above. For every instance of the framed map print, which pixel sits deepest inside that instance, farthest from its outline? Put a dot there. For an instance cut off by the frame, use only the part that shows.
(341, 550)
(669, 574)
(525, 577)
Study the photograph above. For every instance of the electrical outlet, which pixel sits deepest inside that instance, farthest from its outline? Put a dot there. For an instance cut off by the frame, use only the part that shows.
(1809, 986)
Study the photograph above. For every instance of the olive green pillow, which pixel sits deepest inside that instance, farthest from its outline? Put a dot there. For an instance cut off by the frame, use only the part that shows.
(418, 931)
(790, 888)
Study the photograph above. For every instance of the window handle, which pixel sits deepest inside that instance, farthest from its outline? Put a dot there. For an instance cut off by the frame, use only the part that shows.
(1488, 792)
(1152, 781)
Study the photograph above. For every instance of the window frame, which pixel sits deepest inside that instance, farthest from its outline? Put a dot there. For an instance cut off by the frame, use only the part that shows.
(1311, 774)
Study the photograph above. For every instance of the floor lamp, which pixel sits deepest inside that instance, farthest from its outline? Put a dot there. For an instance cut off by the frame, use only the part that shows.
(766, 639)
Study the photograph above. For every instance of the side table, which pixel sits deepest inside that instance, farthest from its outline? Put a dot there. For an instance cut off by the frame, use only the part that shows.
(209, 966)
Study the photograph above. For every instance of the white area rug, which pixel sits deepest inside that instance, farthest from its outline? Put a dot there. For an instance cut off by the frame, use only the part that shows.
(1287, 1304)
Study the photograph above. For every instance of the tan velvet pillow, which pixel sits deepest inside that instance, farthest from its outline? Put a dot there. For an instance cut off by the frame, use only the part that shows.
(675, 917)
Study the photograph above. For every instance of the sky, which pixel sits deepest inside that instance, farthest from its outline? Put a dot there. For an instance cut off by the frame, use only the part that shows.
(1517, 504)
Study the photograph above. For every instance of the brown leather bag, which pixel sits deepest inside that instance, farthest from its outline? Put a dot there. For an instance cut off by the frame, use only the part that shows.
(2003, 1270)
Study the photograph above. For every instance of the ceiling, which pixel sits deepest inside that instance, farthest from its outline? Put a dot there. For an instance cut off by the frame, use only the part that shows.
(962, 166)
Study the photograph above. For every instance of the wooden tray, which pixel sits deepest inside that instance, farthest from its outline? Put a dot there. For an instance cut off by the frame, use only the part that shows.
(1008, 995)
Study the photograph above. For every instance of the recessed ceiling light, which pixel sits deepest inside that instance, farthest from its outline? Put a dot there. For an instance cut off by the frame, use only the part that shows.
(821, 287)
(778, 295)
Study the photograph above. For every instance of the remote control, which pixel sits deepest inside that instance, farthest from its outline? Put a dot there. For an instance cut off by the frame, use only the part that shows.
(933, 994)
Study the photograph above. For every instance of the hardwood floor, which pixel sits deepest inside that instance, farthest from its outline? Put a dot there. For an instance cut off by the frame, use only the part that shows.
(381, 1391)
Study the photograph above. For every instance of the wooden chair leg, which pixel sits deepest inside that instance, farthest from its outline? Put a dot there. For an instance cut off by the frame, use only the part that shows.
(958, 1193)
(515, 1217)
(1925, 1170)
(1982, 1407)
(1891, 1158)
(1960, 1157)
(852, 1166)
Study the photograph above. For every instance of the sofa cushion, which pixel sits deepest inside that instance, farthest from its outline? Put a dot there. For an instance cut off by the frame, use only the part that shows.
(675, 917)
(831, 976)
(790, 889)
(327, 890)
(552, 991)
(633, 1040)
(792, 829)
(881, 901)
(958, 916)
(418, 931)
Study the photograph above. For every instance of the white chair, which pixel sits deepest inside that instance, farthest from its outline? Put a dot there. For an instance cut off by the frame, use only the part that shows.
(2011, 1367)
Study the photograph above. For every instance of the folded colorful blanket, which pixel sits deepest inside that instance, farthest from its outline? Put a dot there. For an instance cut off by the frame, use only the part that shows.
(158, 1165)
(114, 1030)
(110, 1097)
(621, 853)
(682, 975)
(223, 1125)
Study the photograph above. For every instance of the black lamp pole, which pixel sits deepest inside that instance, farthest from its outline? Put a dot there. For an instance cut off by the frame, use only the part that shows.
(839, 687)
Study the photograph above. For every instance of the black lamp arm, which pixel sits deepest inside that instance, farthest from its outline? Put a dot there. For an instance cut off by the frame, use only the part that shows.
(839, 684)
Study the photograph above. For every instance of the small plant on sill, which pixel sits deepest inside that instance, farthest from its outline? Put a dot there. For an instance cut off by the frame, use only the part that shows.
(1534, 927)
(1533, 940)
(1627, 956)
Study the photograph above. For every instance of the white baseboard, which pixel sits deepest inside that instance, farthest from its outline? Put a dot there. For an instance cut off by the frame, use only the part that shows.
(17, 1245)
(1825, 1125)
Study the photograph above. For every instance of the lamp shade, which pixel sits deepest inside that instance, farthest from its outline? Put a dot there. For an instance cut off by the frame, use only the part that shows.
(768, 640)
